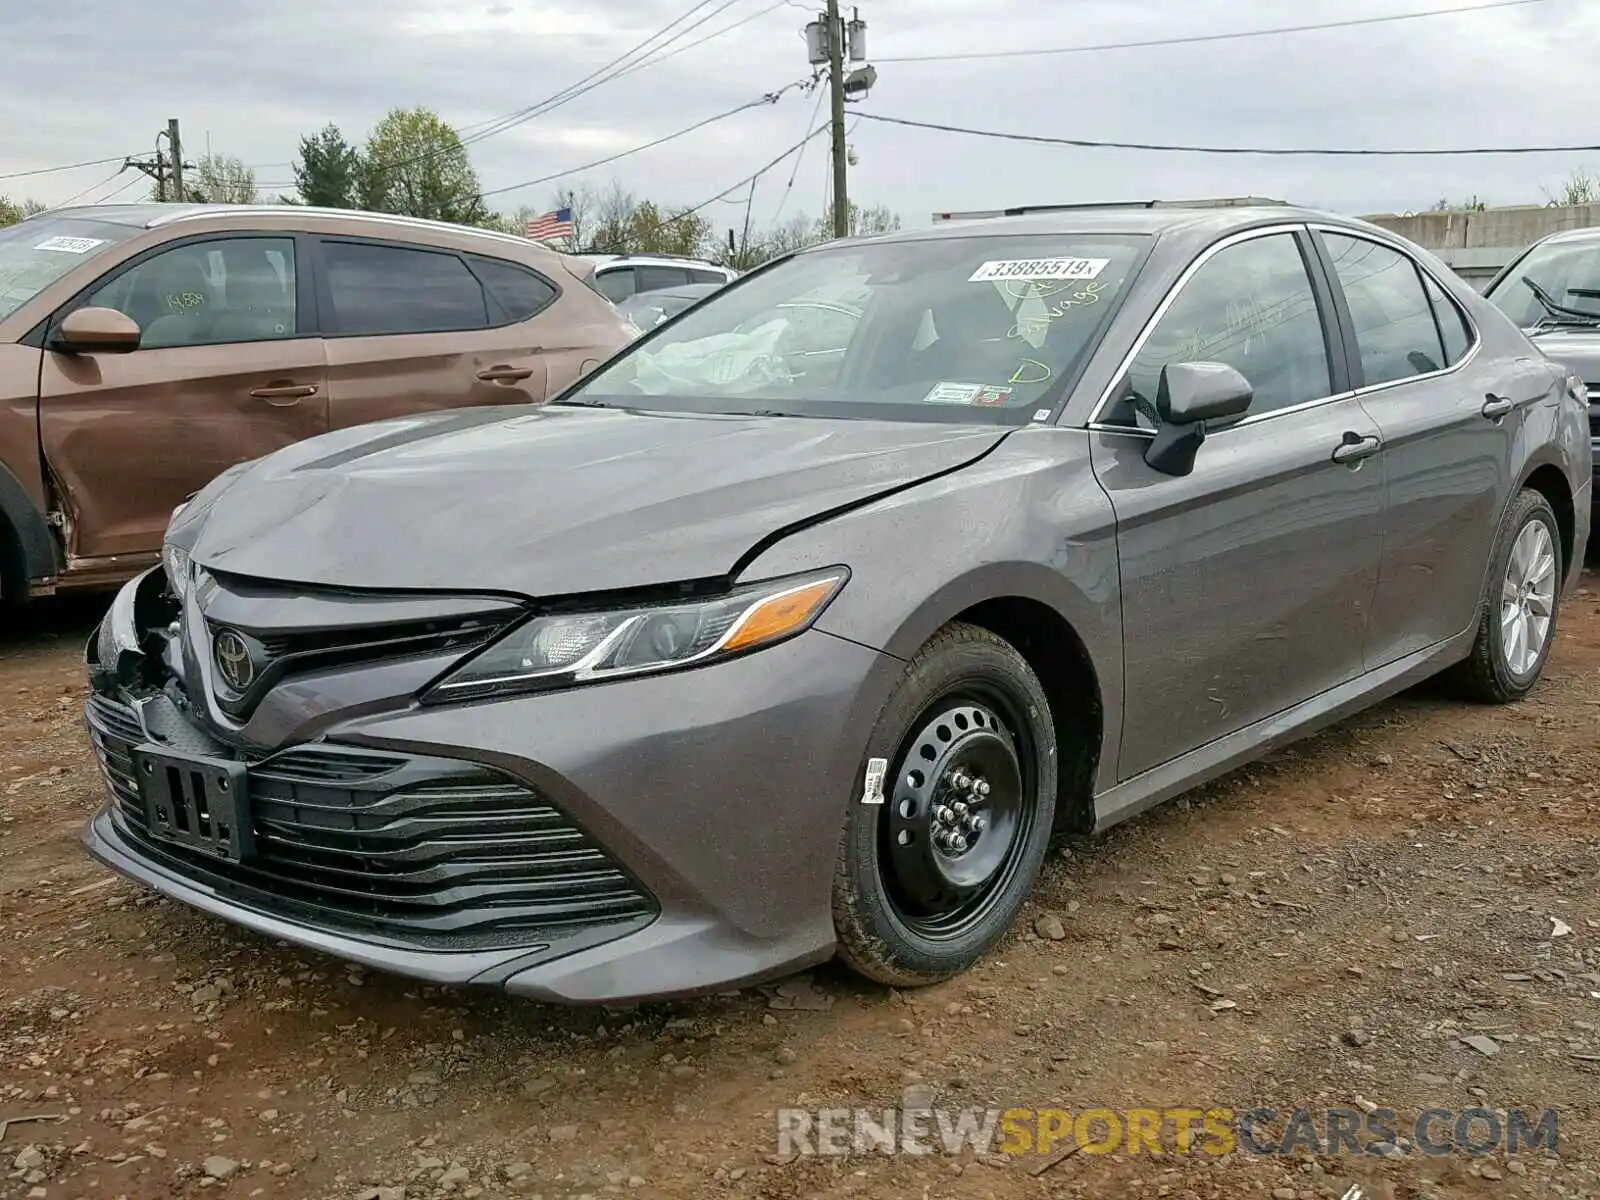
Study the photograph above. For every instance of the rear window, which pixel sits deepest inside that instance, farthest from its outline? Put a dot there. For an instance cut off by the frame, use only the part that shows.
(518, 291)
(960, 328)
(37, 252)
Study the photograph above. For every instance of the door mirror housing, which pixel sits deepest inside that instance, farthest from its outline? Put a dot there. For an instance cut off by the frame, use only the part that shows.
(96, 330)
(1189, 397)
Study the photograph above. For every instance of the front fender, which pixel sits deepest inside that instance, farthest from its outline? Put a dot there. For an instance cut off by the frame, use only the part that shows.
(1028, 520)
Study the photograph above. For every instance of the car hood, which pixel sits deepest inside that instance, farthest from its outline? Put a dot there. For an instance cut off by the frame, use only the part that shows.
(552, 501)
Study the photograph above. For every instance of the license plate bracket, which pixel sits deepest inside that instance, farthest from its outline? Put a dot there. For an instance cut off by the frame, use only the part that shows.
(195, 801)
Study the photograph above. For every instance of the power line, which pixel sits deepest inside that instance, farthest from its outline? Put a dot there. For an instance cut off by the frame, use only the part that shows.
(95, 187)
(92, 162)
(759, 13)
(480, 131)
(788, 188)
(117, 191)
(747, 180)
(1321, 152)
(1199, 38)
(769, 98)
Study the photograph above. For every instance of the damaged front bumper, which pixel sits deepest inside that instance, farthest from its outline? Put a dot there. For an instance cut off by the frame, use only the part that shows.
(660, 836)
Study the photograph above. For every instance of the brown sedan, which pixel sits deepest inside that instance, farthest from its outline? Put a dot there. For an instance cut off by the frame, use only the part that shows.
(146, 348)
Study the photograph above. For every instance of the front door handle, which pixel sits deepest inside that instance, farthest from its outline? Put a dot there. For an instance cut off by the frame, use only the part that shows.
(282, 395)
(1356, 448)
(505, 374)
(1497, 407)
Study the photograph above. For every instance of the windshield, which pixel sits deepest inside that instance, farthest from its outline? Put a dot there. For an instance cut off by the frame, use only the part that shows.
(966, 328)
(1555, 283)
(37, 252)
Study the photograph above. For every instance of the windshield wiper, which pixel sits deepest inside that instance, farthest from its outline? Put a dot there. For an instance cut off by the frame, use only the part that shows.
(581, 403)
(1559, 314)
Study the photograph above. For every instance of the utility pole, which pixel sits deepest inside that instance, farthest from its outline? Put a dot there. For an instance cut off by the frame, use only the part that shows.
(828, 40)
(834, 31)
(175, 149)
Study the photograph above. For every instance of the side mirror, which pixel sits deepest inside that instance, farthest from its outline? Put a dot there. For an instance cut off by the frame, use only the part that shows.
(96, 330)
(1190, 396)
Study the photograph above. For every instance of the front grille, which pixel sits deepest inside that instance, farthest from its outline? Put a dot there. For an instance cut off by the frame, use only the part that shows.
(430, 851)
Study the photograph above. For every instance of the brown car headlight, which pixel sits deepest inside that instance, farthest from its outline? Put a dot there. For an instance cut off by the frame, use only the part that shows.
(564, 649)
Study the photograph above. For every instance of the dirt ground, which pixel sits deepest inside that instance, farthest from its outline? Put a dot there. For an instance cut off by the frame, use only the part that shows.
(1325, 929)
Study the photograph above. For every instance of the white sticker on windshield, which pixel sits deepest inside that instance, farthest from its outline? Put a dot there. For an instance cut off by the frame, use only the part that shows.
(1039, 268)
(952, 393)
(70, 245)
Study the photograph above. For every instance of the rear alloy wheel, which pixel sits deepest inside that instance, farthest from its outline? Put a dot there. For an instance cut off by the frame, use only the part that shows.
(929, 880)
(1518, 623)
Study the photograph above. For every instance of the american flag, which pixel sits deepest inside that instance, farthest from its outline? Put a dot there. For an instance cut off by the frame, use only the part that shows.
(552, 225)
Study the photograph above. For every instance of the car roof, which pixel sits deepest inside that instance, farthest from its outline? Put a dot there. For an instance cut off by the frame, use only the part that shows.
(1121, 219)
(157, 216)
(652, 260)
(1571, 235)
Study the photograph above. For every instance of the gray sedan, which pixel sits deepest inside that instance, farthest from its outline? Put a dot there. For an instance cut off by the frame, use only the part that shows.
(798, 627)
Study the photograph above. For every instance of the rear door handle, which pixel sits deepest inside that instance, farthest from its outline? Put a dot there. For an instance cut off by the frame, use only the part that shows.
(1355, 448)
(505, 374)
(1497, 407)
(284, 394)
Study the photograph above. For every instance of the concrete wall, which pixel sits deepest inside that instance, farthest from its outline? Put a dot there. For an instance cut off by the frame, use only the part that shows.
(1477, 244)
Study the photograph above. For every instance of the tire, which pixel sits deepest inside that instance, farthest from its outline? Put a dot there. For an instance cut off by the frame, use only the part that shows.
(919, 913)
(1499, 670)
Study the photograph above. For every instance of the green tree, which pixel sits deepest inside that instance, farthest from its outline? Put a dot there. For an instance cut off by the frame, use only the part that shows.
(651, 232)
(414, 163)
(12, 211)
(329, 170)
(221, 179)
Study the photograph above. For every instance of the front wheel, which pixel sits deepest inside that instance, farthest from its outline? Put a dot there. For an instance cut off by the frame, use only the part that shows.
(1518, 624)
(929, 880)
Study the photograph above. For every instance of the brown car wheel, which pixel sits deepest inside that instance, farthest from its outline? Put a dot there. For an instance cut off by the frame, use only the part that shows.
(929, 880)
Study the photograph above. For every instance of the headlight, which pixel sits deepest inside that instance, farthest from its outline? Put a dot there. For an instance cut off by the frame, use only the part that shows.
(570, 648)
(175, 561)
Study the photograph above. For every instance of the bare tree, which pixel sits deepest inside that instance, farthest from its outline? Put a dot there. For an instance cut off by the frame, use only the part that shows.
(1579, 188)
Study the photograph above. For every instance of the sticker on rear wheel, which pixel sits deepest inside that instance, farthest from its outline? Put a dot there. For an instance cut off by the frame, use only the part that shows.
(872, 788)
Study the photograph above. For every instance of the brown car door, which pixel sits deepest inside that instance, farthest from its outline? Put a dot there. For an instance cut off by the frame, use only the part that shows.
(411, 329)
(223, 374)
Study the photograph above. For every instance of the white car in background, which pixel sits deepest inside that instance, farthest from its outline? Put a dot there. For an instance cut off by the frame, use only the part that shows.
(618, 276)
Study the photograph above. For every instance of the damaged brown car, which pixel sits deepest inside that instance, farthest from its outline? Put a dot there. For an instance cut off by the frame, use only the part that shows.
(146, 348)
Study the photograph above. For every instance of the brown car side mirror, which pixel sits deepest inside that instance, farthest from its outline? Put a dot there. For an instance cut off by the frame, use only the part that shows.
(92, 330)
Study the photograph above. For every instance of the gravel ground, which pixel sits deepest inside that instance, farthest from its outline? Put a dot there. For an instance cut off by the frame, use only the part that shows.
(1402, 912)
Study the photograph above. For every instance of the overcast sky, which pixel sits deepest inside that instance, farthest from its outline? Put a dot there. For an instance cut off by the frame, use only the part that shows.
(88, 79)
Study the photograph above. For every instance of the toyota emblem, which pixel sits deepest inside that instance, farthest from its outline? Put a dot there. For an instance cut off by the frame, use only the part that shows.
(233, 660)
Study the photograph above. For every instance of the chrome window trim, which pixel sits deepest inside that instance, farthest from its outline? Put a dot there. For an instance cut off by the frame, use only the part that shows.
(1477, 334)
(1167, 302)
(1096, 424)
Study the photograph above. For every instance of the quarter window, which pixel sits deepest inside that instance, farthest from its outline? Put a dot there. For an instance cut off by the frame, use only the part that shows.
(1394, 324)
(392, 289)
(1251, 306)
(703, 276)
(1453, 325)
(518, 291)
(206, 293)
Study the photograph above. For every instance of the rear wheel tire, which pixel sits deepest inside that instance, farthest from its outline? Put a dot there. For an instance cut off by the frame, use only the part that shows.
(1523, 598)
(928, 881)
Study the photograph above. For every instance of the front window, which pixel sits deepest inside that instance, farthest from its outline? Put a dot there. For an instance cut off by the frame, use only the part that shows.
(37, 252)
(1555, 283)
(968, 328)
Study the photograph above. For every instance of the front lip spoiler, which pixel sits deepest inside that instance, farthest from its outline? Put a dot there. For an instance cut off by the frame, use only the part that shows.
(449, 967)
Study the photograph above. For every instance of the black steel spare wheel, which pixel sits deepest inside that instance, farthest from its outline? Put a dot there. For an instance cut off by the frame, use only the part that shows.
(957, 819)
(933, 876)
